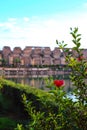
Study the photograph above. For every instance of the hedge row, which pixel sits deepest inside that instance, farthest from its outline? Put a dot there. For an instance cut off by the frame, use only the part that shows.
(11, 99)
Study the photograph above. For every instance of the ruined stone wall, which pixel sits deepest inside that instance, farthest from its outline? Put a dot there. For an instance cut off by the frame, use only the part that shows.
(35, 55)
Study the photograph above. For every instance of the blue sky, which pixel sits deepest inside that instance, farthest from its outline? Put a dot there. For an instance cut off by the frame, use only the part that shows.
(41, 22)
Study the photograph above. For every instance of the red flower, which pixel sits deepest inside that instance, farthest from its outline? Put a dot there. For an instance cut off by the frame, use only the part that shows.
(80, 58)
(58, 83)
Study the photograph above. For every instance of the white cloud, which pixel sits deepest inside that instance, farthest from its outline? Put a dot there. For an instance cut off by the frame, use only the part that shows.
(12, 19)
(1, 24)
(42, 32)
(8, 24)
(26, 19)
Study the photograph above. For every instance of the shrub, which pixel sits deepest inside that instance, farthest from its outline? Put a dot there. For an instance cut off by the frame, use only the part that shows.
(71, 114)
(54, 110)
(7, 123)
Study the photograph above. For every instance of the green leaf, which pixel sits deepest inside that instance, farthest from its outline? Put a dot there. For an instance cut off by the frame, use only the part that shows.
(75, 30)
(74, 41)
(70, 28)
(66, 50)
(78, 45)
(78, 35)
(65, 45)
(74, 36)
(75, 48)
(57, 42)
(78, 39)
(62, 41)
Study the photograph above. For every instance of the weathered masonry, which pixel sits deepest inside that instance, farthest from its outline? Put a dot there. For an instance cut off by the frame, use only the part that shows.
(33, 56)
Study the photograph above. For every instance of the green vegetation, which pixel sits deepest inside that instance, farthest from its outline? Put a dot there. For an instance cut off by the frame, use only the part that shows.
(11, 100)
(23, 107)
(7, 123)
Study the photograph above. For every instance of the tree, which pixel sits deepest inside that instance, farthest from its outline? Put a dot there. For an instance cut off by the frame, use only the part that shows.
(16, 62)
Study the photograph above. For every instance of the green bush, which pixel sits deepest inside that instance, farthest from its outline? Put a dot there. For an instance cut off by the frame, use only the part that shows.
(7, 123)
(11, 100)
(70, 114)
(5, 104)
(53, 110)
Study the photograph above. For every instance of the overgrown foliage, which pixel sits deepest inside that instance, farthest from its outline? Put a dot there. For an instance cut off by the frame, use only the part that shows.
(54, 110)
(11, 104)
(70, 114)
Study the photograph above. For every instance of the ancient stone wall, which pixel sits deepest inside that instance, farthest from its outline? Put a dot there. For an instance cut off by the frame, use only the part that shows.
(35, 55)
